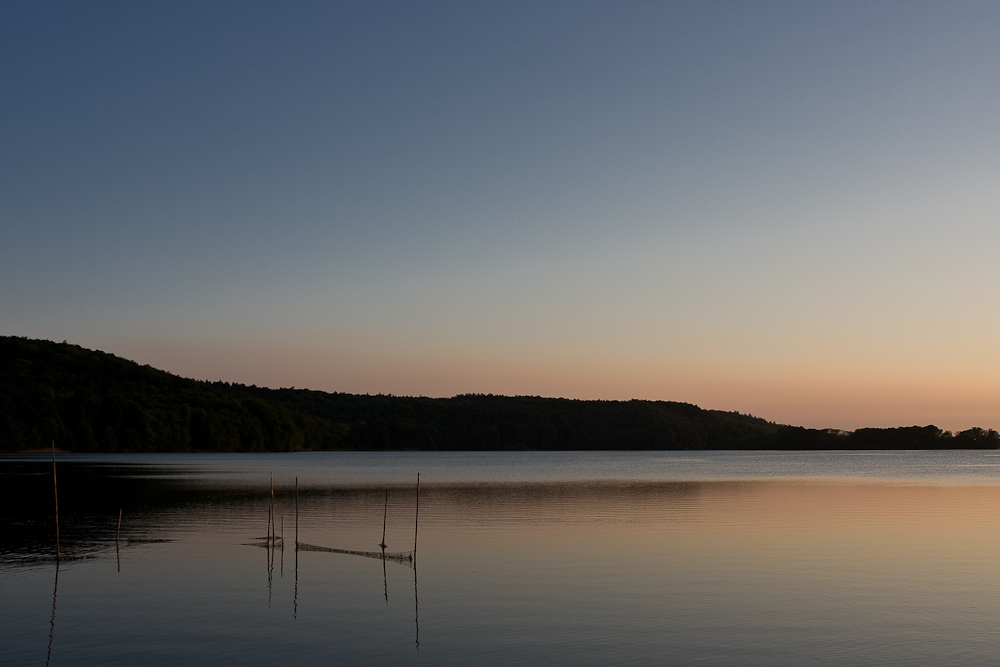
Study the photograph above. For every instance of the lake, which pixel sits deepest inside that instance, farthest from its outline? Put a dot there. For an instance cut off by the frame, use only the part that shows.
(681, 558)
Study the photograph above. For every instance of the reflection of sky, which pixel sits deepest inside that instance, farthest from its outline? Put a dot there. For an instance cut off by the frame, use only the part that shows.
(740, 572)
(782, 208)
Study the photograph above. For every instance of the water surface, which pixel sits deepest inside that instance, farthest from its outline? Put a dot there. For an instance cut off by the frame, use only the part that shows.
(721, 558)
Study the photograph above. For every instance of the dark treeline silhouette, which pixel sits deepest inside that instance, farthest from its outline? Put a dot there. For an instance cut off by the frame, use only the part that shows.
(906, 437)
(90, 401)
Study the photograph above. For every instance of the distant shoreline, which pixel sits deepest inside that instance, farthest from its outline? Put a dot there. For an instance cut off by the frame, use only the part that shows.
(89, 401)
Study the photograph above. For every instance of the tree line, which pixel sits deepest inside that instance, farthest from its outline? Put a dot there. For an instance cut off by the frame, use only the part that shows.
(91, 401)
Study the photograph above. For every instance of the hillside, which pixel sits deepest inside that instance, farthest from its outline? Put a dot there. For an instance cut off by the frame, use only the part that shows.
(90, 401)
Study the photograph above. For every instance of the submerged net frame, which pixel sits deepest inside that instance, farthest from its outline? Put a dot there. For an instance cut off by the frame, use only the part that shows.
(271, 541)
(401, 557)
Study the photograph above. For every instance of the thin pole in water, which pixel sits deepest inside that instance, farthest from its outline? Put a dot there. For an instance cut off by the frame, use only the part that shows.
(274, 524)
(416, 520)
(282, 545)
(385, 579)
(385, 513)
(268, 537)
(55, 490)
(296, 514)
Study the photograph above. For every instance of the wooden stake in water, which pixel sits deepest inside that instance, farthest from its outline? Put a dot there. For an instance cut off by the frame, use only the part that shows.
(272, 509)
(385, 513)
(267, 538)
(296, 514)
(416, 520)
(55, 490)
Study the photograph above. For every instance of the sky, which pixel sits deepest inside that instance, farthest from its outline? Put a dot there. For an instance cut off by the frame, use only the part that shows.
(789, 209)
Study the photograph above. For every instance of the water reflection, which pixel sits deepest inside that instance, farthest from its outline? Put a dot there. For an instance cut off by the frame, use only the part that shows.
(161, 506)
(269, 561)
(416, 605)
(93, 501)
(52, 620)
(161, 503)
(295, 597)
(118, 532)
(594, 572)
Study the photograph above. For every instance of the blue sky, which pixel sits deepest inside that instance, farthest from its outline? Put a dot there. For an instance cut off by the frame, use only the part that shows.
(791, 209)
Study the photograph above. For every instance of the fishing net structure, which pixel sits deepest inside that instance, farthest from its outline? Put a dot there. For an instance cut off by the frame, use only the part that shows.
(401, 557)
(272, 541)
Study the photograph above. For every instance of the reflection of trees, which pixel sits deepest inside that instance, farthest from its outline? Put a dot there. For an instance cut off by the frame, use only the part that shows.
(154, 500)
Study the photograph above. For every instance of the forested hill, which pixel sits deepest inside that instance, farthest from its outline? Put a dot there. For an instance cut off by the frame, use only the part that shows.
(89, 401)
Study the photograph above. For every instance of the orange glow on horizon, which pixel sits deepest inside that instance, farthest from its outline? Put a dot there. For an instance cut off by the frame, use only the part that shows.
(818, 400)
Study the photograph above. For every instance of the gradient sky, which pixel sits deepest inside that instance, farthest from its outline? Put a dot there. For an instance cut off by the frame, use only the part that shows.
(789, 209)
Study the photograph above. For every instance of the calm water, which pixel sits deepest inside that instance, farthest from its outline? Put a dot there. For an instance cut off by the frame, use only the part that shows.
(842, 558)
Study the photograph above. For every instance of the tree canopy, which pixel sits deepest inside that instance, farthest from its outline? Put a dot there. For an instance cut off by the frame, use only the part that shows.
(91, 401)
